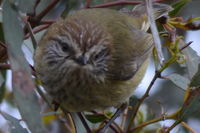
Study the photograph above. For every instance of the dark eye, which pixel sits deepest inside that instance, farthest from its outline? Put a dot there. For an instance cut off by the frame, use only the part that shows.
(100, 54)
(65, 47)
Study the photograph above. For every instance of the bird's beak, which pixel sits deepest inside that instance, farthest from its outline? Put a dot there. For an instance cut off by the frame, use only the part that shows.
(81, 60)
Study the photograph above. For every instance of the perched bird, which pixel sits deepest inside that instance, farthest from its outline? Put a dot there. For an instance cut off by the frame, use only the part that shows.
(95, 58)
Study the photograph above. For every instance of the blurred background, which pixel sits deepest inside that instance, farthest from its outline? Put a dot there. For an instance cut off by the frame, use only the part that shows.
(165, 97)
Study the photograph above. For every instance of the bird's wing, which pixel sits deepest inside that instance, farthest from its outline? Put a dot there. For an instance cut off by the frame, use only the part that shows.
(141, 49)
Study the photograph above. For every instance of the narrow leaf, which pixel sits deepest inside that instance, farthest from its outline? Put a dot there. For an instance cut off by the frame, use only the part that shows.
(178, 6)
(23, 86)
(191, 105)
(23, 5)
(193, 60)
(179, 80)
(195, 82)
(15, 123)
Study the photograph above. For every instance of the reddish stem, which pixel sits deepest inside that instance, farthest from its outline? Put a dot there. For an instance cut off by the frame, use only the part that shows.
(88, 2)
(36, 30)
(2, 44)
(4, 66)
(45, 11)
(49, 22)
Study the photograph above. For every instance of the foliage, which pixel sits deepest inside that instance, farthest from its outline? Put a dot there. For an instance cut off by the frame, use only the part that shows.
(23, 20)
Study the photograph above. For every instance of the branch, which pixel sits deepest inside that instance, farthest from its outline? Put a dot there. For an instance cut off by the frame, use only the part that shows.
(4, 66)
(185, 125)
(34, 42)
(162, 118)
(45, 11)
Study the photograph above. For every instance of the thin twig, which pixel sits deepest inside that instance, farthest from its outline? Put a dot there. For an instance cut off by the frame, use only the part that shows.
(154, 30)
(188, 44)
(37, 29)
(162, 118)
(34, 42)
(157, 75)
(46, 10)
(46, 99)
(49, 22)
(115, 3)
(185, 125)
(172, 126)
(2, 44)
(120, 2)
(114, 126)
(84, 122)
(4, 66)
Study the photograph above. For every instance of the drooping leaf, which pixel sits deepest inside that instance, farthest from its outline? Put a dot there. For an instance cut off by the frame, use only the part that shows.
(17, 128)
(192, 60)
(23, 86)
(178, 6)
(191, 105)
(179, 80)
(195, 82)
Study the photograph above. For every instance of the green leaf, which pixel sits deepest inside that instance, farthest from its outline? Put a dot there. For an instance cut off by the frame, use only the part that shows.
(179, 80)
(26, 6)
(191, 105)
(96, 118)
(23, 86)
(193, 60)
(15, 123)
(2, 85)
(195, 82)
(178, 6)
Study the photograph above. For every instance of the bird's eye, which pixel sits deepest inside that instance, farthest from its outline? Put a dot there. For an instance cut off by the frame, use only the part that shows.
(100, 54)
(65, 47)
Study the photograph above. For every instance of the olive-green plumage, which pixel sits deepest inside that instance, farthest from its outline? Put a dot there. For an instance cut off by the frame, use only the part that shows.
(93, 59)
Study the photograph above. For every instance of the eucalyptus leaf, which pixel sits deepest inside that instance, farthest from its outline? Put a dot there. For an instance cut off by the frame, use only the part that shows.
(193, 60)
(195, 82)
(179, 80)
(191, 105)
(178, 6)
(26, 6)
(15, 123)
(23, 86)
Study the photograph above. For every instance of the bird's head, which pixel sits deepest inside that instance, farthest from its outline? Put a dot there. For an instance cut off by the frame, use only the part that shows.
(79, 50)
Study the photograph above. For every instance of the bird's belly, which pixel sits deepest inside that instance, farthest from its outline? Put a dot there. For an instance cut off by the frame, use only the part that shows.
(101, 96)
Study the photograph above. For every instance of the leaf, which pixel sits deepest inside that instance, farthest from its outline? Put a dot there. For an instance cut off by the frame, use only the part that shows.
(95, 118)
(195, 82)
(191, 105)
(26, 6)
(15, 123)
(192, 60)
(178, 6)
(179, 80)
(2, 85)
(23, 86)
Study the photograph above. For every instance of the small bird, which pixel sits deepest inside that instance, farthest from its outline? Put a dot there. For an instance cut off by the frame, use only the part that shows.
(95, 58)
